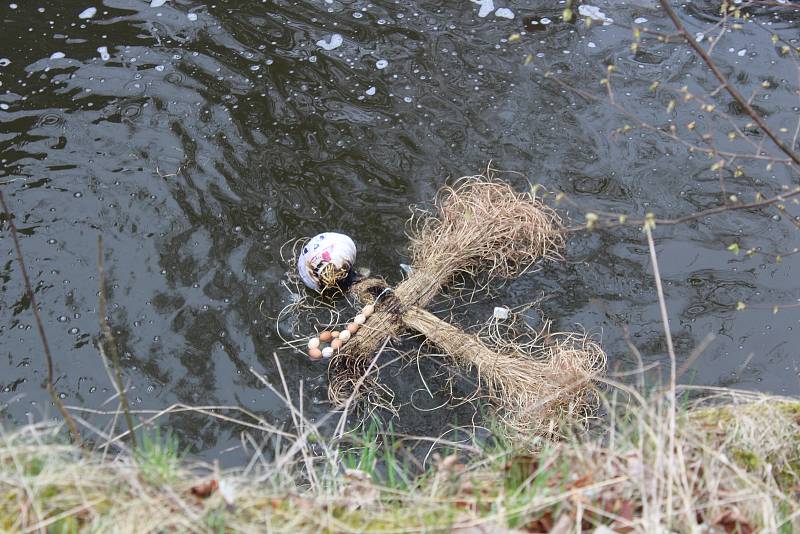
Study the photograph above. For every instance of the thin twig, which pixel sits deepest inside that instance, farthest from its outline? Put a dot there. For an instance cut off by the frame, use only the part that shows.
(73, 427)
(672, 361)
(665, 4)
(111, 342)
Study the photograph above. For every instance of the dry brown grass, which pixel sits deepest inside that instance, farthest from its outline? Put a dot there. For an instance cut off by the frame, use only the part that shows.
(734, 469)
(536, 384)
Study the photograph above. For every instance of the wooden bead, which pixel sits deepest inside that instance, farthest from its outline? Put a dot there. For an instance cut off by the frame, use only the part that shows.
(344, 336)
(368, 310)
(315, 354)
(313, 343)
(353, 328)
(327, 352)
(336, 344)
(335, 334)
(325, 336)
(360, 319)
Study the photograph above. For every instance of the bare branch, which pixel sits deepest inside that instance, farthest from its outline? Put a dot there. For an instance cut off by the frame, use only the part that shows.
(724, 81)
(73, 427)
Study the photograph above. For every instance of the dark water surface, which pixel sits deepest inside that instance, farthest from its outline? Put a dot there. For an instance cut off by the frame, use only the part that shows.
(205, 136)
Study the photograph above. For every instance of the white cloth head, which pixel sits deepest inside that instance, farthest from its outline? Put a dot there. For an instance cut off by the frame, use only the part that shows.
(328, 247)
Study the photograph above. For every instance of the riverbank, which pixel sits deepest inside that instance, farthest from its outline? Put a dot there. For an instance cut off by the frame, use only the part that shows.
(734, 467)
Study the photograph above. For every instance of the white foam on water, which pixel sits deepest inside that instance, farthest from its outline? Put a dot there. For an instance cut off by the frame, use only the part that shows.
(594, 13)
(591, 44)
(333, 42)
(159, 68)
(57, 55)
(504, 12)
(87, 13)
(640, 20)
(487, 6)
(545, 21)
(4, 106)
(157, 3)
(741, 52)
(370, 91)
(381, 64)
(192, 16)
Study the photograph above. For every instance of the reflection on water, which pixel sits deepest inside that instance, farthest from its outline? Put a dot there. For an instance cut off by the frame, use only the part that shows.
(199, 138)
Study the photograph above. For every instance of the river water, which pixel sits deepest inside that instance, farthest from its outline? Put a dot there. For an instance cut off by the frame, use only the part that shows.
(199, 138)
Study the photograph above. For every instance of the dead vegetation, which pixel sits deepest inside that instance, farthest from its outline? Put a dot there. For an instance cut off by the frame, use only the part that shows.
(484, 229)
(734, 469)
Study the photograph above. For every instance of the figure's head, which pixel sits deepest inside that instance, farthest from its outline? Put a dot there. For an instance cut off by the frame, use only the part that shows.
(326, 262)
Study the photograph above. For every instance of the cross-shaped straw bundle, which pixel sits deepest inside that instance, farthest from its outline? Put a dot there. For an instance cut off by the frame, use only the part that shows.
(482, 226)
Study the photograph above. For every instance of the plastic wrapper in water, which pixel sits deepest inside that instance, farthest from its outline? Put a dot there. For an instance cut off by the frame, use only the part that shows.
(322, 249)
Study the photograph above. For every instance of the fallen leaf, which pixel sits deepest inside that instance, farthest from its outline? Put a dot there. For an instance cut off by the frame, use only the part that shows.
(582, 482)
(205, 489)
(733, 521)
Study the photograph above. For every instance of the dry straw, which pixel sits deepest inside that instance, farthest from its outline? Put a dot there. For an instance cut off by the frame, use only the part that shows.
(535, 384)
(482, 227)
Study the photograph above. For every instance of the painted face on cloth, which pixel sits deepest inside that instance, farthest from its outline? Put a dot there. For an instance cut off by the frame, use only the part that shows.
(326, 260)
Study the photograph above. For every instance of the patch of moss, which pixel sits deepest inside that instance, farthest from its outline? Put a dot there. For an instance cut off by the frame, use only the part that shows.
(747, 459)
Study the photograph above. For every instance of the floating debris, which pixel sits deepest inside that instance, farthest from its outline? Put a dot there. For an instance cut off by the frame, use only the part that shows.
(487, 6)
(191, 16)
(157, 3)
(501, 313)
(505, 13)
(639, 20)
(370, 91)
(87, 13)
(381, 64)
(333, 42)
(103, 51)
(58, 55)
(594, 13)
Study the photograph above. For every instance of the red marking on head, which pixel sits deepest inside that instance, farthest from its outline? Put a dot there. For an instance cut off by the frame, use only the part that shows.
(326, 256)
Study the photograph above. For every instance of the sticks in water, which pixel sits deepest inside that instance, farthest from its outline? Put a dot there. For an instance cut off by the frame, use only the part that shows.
(71, 425)
(111, 342)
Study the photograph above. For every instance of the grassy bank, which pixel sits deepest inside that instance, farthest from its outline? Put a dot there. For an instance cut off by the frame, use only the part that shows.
(734, 467)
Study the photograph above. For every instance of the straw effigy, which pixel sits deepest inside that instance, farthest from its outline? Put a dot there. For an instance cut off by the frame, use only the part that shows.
(483, 227)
